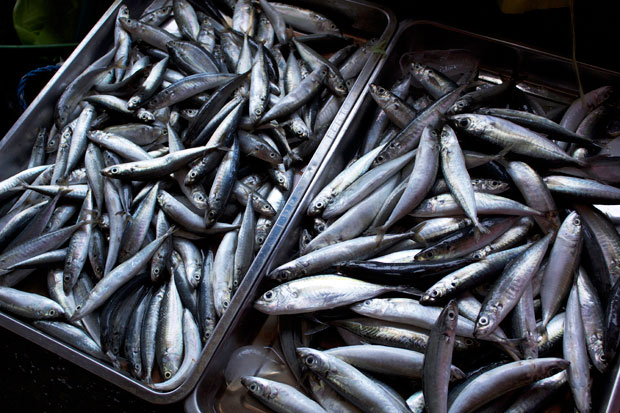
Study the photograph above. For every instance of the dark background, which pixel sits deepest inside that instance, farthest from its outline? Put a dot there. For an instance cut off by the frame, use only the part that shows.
(34, 379)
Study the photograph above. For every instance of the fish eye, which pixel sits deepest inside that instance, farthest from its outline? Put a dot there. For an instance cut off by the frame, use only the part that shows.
(51, 313)
(319, 204)
(464, 123)
(167, 374)
(380, 158)
(225, 304)
(333, 26)
(429, 254)
(272, 155)
(269, 295)
(310, 360)
(253, 387)
(258, 111)
(367, 302)
(434, 293)
(192, 174)
(602, 358)
(495, 183)
(469, 341)
(260, 240)
(577, 221)
(460, 104)
(451, 315)
(156, 271)
(114, 170)
(483, 321)
(211, 214)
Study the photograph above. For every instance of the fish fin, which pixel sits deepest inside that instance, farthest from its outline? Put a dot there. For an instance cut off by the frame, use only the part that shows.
(500, 156)
(409, 290)
(316, 329)
(23, 185)
(511, 351)
(278, 355)
(543, 336)
(380, 233)
(479, 230)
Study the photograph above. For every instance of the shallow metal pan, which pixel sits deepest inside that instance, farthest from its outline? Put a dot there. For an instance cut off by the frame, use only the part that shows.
(356, 18)
(540, 74)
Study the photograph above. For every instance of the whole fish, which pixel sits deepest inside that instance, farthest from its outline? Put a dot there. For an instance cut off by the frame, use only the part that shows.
(317, 293)
(350, 382)
(438, 359)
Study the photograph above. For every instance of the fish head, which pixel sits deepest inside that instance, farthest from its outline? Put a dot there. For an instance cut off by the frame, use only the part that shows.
(266, 208)
(210, 216)
(573, 225)
(127, 23)
(315, 360)
(200, 200)
(340, 87)
(318, 205)
(458, 107)
(552, 366)
(261, 235)
(370, 306)
(257, 386)
(145, 116)
(111, 171)
(417, 70)
(54, 311)
(378, 92)
(495, 186)
(134, 102)
(327, 26)
(449, 317)
(434, 294)
(467, 123)
(319, 225)
(478, 255)
(429, 254)
(487, 322)
(272, 301)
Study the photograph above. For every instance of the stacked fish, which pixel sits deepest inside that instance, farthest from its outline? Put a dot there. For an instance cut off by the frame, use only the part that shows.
(184, 139)
(488, 252)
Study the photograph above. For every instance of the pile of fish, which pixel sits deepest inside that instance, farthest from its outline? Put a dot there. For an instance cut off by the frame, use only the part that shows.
(168, 161)
(459, 256)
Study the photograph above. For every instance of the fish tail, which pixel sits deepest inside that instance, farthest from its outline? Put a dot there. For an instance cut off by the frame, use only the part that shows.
(479, 230)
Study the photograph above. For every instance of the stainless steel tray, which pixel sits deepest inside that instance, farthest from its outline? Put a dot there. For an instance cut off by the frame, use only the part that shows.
(546, 76)
(357, 18)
